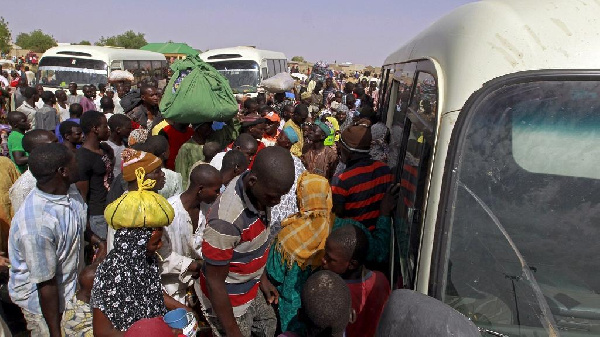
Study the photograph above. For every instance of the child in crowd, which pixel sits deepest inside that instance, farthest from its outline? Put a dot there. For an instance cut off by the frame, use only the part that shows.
(77, 318)
(210, 150)
(318, 158)
(326, 306)
(107, 106)
(120, 129)
(234, 164)
(20, 125)
(71, 134)
(345, 255)
(75, 112)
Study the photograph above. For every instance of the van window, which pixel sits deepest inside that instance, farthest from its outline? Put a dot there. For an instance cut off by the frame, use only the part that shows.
(56, 71)
(144, 69)
(523, 212)
(270, 68)
(415, 173)
(397, 105)
(243, 75)
(424, 100)
(383, 91)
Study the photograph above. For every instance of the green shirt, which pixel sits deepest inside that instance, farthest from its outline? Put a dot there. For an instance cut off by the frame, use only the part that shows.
(189, 154)
(15, 143)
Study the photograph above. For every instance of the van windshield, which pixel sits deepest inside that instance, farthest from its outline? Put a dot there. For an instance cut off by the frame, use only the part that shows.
(60, 71)
(522, 255)
(243, 76)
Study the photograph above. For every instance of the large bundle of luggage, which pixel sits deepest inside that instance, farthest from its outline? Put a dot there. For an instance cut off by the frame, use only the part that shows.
(197, 93)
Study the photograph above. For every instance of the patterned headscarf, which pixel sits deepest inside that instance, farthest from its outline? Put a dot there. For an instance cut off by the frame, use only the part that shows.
(127, 285)
(137, 136)
(133, 159)
(302, 237)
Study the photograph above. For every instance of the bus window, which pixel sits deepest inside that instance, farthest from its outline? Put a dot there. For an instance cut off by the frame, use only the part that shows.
(424, 99)
(270, 68)
(131, 65)
(134, 68)
(397, 105)
(115, 65)
(415, 171)
(243, 75)
(522, 234)
(383, 92)
(60, 71)
(158, 64)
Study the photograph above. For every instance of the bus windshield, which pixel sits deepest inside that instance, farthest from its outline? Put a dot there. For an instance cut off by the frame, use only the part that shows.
(522, 257)
(60, 71)
(243, 75)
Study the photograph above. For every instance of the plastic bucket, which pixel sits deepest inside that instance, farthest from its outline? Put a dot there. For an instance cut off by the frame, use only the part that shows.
(176, 319)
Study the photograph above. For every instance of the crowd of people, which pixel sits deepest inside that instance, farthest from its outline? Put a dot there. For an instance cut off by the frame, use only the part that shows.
(275, 222)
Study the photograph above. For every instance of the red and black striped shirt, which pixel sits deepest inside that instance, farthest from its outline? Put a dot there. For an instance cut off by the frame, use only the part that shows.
(360, 189)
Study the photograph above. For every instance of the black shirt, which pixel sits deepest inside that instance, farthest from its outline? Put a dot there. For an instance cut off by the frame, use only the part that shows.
(97, 170)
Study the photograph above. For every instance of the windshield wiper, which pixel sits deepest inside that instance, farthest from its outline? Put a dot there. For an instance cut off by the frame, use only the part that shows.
(548, 320)
(493, 333)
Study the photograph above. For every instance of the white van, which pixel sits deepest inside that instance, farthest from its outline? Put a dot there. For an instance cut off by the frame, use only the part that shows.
(495, 119)
(246, 67)
(92, 64)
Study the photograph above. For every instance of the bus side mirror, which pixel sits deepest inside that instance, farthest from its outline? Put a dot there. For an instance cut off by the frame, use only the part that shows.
(409, 313)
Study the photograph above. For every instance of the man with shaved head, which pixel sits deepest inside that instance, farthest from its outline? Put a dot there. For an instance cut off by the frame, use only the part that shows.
(244, 143)
(236, 245)
(26, 182)
(19, 124)
(181, 248)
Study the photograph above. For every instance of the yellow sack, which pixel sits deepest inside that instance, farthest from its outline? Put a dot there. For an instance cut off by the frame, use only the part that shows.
(141, 208)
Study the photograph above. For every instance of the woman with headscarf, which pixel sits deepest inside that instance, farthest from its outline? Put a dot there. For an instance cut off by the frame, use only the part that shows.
(127, 284)
(299, 247)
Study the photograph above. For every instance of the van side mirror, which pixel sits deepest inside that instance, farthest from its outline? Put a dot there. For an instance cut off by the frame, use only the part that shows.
(409, 313)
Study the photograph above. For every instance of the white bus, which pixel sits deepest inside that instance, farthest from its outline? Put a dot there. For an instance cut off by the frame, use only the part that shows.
(246, 67)
(495, 119)
(92, 64)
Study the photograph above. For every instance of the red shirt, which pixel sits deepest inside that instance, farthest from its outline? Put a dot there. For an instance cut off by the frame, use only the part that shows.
(369, 296)
(176, 139)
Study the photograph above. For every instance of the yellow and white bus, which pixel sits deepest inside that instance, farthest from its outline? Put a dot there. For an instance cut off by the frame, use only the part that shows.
(92, 64)
(246, 67)
(495, 119)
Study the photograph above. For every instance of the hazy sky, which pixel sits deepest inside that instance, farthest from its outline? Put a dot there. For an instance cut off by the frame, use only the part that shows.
(333, 30)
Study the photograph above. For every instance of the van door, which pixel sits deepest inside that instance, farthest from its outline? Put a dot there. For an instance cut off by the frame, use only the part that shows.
(414, 171)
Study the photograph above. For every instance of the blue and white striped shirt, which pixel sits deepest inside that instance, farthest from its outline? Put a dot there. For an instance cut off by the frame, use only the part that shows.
(46, 240)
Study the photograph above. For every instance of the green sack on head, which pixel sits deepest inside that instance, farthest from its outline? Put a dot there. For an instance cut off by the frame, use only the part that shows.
(197, 93)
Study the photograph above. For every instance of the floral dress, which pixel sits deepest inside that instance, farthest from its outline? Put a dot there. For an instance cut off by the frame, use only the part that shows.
(127, 285)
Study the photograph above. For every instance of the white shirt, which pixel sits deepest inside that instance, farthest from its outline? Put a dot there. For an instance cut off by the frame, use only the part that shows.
(181, 246)
(29, 111)
(118, 107)
(117, 150)
(63, 113)
(97, 103)
(217, 160)
(39, 104)
(21, 189)
(3, 82)
(30, 77)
